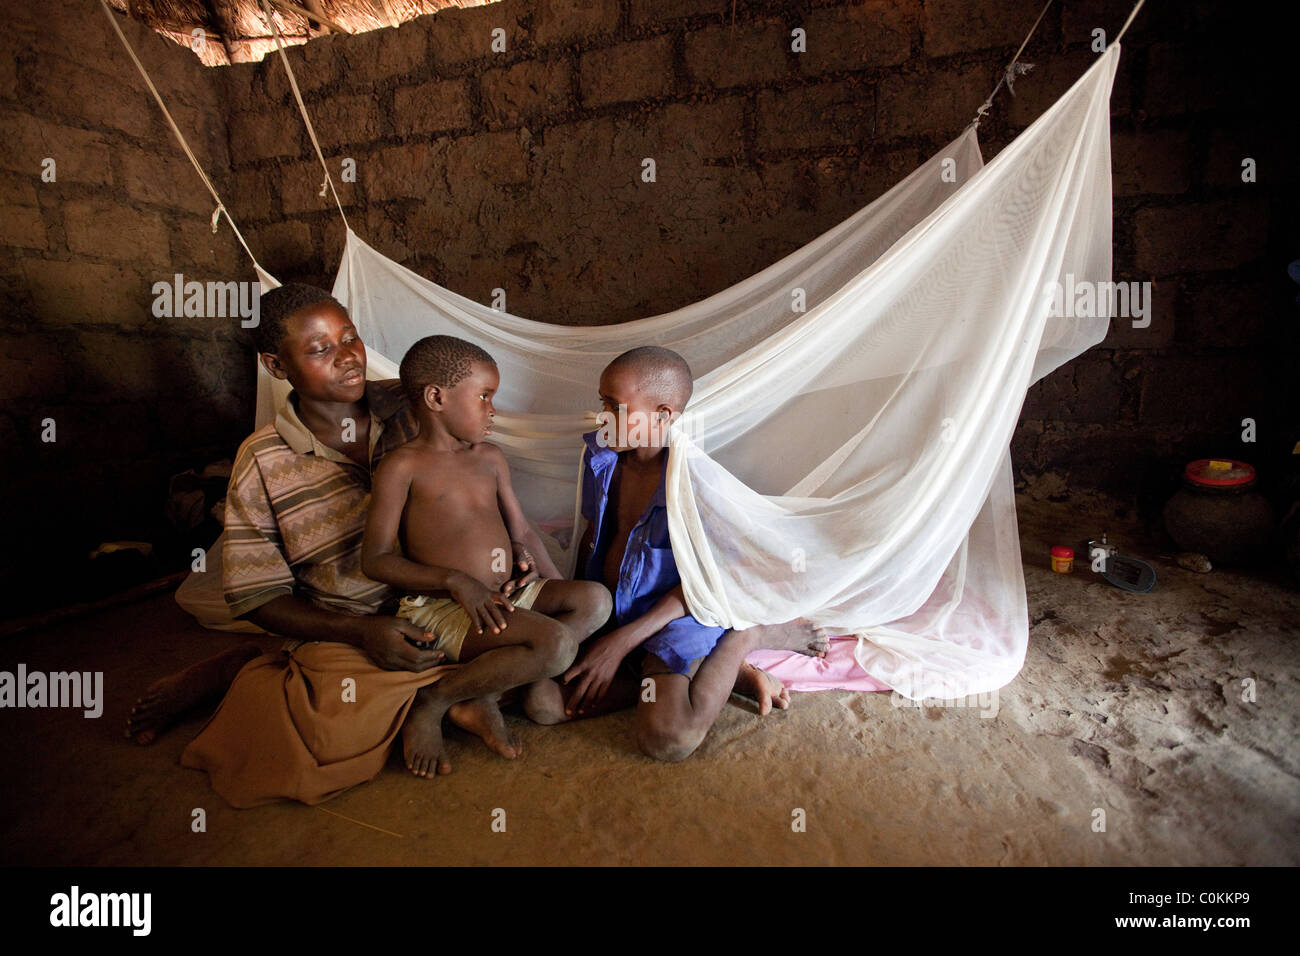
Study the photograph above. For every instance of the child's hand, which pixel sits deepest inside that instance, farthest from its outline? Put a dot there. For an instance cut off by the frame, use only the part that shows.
(525, 565)
(482, 604)
(593, 673)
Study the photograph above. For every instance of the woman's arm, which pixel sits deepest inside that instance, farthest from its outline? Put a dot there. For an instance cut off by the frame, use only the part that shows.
(382, 638)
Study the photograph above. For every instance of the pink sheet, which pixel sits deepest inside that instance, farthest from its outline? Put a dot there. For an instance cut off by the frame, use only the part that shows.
(836, 671)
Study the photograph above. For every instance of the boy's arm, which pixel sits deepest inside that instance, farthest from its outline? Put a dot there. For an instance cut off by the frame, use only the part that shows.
(516, 523)
(595, 671)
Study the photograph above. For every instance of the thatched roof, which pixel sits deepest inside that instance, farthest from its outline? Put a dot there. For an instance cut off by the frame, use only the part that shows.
(235, 31)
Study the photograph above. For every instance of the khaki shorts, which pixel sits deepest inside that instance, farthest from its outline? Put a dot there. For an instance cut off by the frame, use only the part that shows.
(447, 620)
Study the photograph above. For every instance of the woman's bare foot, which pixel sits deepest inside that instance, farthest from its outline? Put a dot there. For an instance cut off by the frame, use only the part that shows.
(759, 685)
(544, 702)
(422, 742)
(799, 635)
(170, 698)
(482, 718)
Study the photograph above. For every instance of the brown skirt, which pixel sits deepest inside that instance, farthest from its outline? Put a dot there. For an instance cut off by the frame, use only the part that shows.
(290, 728)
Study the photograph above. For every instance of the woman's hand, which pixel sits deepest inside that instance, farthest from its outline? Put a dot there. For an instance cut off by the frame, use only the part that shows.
(397, 645)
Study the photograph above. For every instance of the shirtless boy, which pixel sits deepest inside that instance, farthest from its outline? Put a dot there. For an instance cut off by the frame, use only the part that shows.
(446, 527)
(693, 667)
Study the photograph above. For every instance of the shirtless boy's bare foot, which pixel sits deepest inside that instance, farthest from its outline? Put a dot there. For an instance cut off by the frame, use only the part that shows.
(800, 636)
(760, 686)
(422, 742)
(482, 718)
(170, 698)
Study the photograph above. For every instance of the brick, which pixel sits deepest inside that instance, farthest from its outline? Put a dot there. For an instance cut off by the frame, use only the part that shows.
(31, 366)
(866, 36)
(656, 11)
(1087, 389)
(110, 231)
(418, 170)
(530, 88)
(299, 187)
(283, 247)
(496, 158)
(437, 106)
(242, 90)
(1151, 162)
(960, 26)
(79, 155)
(22, 227)
(8, 77)
(1039, 89)
(251, 198)
(315, 67)
(1080, 17)
(1229, 314)
(116, 367)
(558, 21)
(384, 53)
(1230, 146)
(1199, 237)
(460, 34)
(71, 293)
(750, 54)
(1178, 82)
(347, 121)
(67, 88)
(700, 130)
(195, 247)
(162, 180)
(265, 135)
(942, 103)
(1162, 308)
(627, 72)
(828, 114)
(1198, 393)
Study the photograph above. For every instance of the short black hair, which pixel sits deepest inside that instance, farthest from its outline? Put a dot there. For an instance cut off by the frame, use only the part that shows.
(276, 307)
(441, 360)
(663, 373)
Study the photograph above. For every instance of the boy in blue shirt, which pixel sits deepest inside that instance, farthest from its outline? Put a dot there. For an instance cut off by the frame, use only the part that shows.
(687, 670)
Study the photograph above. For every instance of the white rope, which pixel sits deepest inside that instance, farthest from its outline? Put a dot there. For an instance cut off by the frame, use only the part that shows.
(221, 207)
(1128, 21)
(1008, 73)
(302, 108)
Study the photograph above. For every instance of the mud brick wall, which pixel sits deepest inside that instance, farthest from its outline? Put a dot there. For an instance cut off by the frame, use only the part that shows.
(520, 170)
(134, 398)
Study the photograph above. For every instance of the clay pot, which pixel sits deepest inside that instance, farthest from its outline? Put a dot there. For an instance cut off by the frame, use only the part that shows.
(1220, 513)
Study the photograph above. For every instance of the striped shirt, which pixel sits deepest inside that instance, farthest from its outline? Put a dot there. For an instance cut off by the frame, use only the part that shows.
(296, 511)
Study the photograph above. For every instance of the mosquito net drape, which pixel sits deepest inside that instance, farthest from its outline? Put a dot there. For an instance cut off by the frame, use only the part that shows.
(848, 462)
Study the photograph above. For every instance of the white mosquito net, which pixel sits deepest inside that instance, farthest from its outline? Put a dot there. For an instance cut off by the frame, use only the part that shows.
(850, 462)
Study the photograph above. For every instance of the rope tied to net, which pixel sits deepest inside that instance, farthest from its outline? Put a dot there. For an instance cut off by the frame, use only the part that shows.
(220, 210)
(1014, 69)
(328, 183)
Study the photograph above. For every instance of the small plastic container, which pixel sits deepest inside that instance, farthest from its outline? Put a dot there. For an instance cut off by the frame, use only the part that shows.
(1062, 559)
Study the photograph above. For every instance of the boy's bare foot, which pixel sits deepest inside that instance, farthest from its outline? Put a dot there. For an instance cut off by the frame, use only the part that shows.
(168, 699)
(799, 635)
(482, 718)
(422, 742)
(759, 685)
(544, 702)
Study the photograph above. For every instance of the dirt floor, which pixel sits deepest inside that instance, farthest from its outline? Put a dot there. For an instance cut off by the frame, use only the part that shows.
(1128, 704)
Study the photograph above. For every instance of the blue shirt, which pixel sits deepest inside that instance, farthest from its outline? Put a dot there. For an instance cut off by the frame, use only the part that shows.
(648, 571)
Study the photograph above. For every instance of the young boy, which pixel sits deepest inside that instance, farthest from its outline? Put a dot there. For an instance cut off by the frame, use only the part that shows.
(445, 527)
(693, 668)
